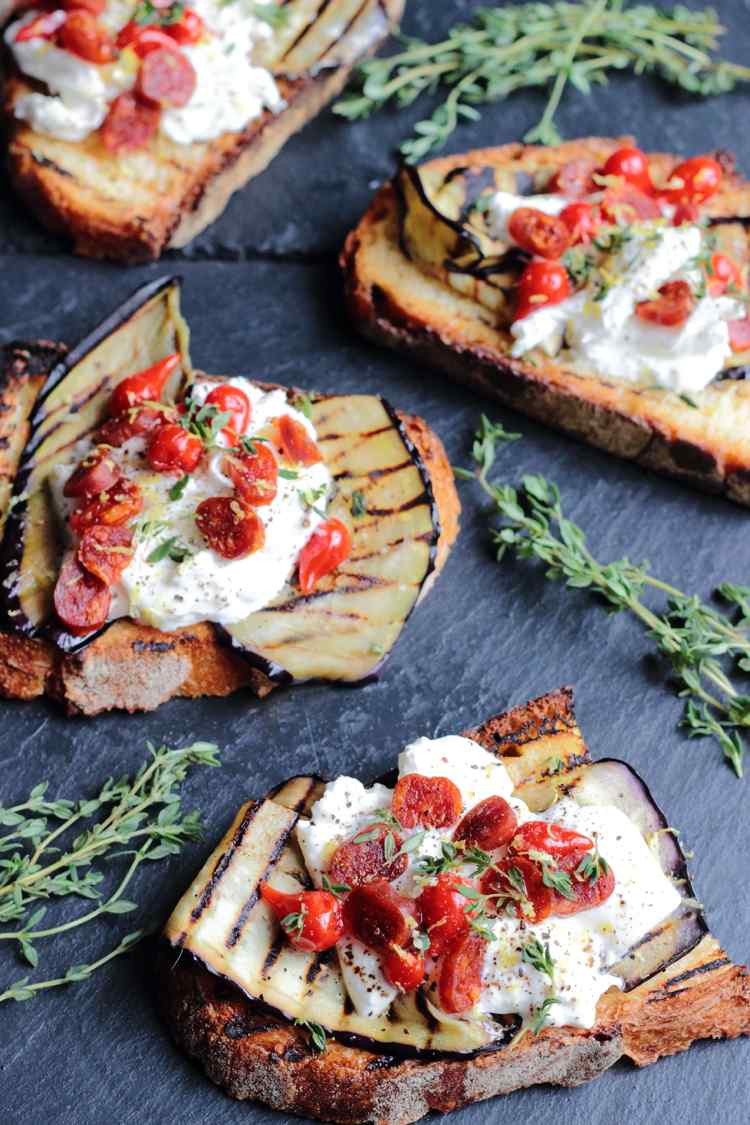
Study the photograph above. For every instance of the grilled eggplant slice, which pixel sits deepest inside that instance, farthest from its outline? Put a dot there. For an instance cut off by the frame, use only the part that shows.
(319, 34)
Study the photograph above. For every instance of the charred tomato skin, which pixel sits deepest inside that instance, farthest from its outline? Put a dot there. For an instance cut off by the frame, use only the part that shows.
(378, 916)
(353, 863)
(431, 802)
(488, 825)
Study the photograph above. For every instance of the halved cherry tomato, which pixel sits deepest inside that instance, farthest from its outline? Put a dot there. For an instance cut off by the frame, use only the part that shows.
(739, 334)
(363, 860)
(628, 204)
(173, 449)
(433, 802)
(328, 546)
(403, 968)
(671, 308)
(377, 915)
(441, 910)
(582, 220)
(588, 892)
(81, 601)
(106, 552)
(231, 400)
(516, 883)
(693, 181)
(190, 28)
(296, 444)
(574, 179)
(167, 78)
(255, 475)
(83, 35)
(460, 980)
(541, 836)
(131, 423)
(685, 213)
(722, 273)
(145, 386)
(541, 283)
(230, 528)
(145, 39)
(490, 824)
(96, 473)
(130, 124)
(44, 26)
(630, 165)
(312, 920)
(113, 507)
(539, 233)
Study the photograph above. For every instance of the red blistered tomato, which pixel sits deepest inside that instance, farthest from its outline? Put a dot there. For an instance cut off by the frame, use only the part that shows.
(296, 444)
(190, 28)
(255, 475)
(403, 968)
(312, 920)
(693, 181)
(539, 233)
(167, 78)
(231, 400)
(441, 910)
(131, 423)
(723, 272)
(460, 979)
(671, 308)
(541, 836)
(362, 859)
(739, 335)
(230, 528)
(328, 546)
(582, 220)
(96, 473)
(83, 35)
(144, 39)
(377, 915)
(130, 124)
(541, 283)
(81, 601)
(624, 205)
(490, 824)
(44, 26)
(433, 802)
(630, 165)
(173, 449)
(116, 506)
(106, 552)
(145, 386)
(587, 892)
(574, 180)
(518, 883)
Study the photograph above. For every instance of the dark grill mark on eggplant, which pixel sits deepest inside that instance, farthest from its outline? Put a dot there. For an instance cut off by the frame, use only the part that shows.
(45, 162)
(220, 869)
(252, 899)
(710, 967)
(315, 969)
(407, 506)
(273, 954)
(421, 1005)
(743, 220)
(735, 373)
(376, 474)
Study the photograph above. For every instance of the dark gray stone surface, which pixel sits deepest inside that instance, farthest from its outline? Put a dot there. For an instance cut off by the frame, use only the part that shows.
(489, 637)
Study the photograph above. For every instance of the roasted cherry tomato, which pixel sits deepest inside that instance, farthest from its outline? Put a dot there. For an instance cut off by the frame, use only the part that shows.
(106, 552)
(132, 423)
(296, 444)
(145, 39)
(671, 308)
(96, 473)
(167, 78)
(574, 180)
(377, 916)
(541, 836)
(628, 204)
(190, 28)
(255, 475)
(460, 975)
(83, 35)
(693, 181)
(113, 507)
(81, 601)
(517, 883)
(403, 968)
(130, 124)
(582, 220)
(96, 7)
(539, 233)
(328, 546)
(363, 858)
(432, 802)
(541, 283)
(312, 920)
(231, 400)
(587, 891)
(230, 528)
(739, 335)
(490, 824)
(723, 272)
(630, 165)
(441, 910)
(173, 449)
(44, 26)
(145, 386)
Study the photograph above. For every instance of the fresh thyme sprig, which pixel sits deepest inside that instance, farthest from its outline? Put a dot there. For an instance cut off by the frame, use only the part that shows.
(139, 816)
(511, 47)
(707, 650)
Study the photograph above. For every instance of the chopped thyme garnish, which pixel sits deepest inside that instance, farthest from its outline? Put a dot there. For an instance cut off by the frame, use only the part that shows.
(358, 506)
(294, 923)
(317, 1034)
(541, 1015)
(336, 889)
(592, 867)
(304, 404)
(176, 491)
(539, 957)
(170, 548)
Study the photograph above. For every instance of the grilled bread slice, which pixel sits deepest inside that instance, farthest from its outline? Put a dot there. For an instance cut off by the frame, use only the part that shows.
(342, 632)
(445, 318)
(132, 207)
(679, 985)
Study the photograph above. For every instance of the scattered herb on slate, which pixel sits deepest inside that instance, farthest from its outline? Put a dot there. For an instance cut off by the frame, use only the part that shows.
(708, 650)
(139, 816)
(512, 47)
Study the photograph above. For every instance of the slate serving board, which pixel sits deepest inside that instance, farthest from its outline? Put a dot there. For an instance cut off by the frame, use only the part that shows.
(262, 296)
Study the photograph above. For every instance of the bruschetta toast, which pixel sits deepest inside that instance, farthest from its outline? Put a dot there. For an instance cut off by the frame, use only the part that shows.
(547, 933)
(171, 533)
(125, 169)
(619, 316)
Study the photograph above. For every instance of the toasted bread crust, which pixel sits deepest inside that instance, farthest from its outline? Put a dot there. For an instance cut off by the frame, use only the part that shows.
(133, 667)
(252, 1053)
(394, 303)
